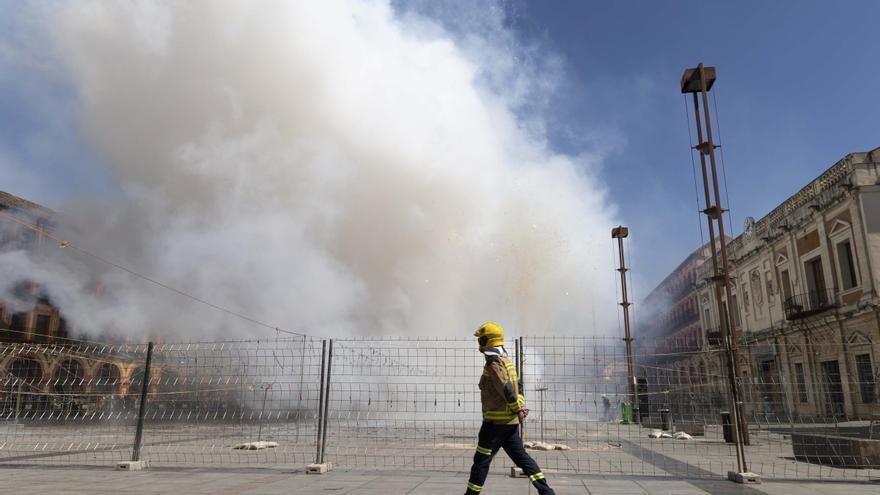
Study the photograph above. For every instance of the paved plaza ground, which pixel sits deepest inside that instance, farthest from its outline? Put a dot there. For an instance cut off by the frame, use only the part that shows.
(37, 480)
(199, 459)
(597, 449)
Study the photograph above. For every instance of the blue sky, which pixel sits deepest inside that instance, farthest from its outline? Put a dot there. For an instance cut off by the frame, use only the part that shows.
(797, 89)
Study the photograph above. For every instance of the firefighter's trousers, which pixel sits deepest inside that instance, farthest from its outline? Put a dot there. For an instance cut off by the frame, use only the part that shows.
(494, 437)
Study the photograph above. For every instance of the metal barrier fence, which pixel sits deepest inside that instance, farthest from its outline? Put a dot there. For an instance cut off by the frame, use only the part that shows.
(79, 404)
(414, 404)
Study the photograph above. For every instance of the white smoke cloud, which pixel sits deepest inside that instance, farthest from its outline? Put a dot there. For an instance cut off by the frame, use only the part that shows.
(330, 167)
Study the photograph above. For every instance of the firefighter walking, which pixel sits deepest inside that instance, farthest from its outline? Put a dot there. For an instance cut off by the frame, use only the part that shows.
(503, 410)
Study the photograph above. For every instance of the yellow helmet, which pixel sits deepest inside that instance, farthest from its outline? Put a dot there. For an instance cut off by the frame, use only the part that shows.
(490, 334)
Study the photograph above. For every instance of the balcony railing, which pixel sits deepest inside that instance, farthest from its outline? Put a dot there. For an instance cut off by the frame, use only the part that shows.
(809, 303)
(713, 337)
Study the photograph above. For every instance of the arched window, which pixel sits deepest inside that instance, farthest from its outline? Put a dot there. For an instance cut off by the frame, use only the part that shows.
(23, 371)
(69, 377)
(23, 380)
(107, 381)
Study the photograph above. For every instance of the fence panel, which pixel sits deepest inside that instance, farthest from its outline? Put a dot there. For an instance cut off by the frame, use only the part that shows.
(207, 403)
(411, 404)
(68, 404)
(812, 410)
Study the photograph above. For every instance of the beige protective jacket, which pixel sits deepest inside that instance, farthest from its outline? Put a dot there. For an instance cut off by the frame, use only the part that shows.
(499, 391)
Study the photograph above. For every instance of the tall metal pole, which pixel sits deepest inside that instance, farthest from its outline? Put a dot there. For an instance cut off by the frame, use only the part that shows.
(732, 333)
(518, 372)
(620, 233)
(700, 80)
(521, 373)
(326, 401)
(139, 432)
(319, 442)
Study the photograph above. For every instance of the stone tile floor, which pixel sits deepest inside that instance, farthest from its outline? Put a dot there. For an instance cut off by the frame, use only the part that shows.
(272, 481)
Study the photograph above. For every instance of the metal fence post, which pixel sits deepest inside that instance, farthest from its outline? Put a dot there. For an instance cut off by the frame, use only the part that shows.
(302, 367)
(318, 439)
(522, 366)
(18, 400)
(521, 372)
(326, 401)
(265, 387)
(139, 433)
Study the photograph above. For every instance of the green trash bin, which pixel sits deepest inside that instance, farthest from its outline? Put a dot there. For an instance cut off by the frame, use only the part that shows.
(626, 410)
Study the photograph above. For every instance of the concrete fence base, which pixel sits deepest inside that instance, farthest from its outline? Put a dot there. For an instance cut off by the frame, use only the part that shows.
(836, 450)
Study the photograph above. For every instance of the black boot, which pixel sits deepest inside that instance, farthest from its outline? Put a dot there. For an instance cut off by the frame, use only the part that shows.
(543, 488)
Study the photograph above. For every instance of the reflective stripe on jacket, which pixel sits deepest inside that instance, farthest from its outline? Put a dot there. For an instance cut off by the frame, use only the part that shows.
(499, 391)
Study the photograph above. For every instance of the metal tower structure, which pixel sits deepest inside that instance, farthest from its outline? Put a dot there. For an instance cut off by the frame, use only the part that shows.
(698, 82)
(620, 233)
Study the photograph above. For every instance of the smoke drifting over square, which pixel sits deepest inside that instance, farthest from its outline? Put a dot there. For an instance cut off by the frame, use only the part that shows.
(334, 168)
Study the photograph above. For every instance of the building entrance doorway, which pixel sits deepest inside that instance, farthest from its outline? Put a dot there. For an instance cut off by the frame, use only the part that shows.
(772, 401)
(833, 389)
(645, 409)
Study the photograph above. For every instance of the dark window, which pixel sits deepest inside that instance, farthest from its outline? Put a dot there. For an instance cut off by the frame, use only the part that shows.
(41, 329)
(26, 371)
(847, 265)
(108, 378)
(42, 324)
(866, 377)
(801, 383)
(62, 328)
(18, 322)
(786, 284)
(815, 275)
